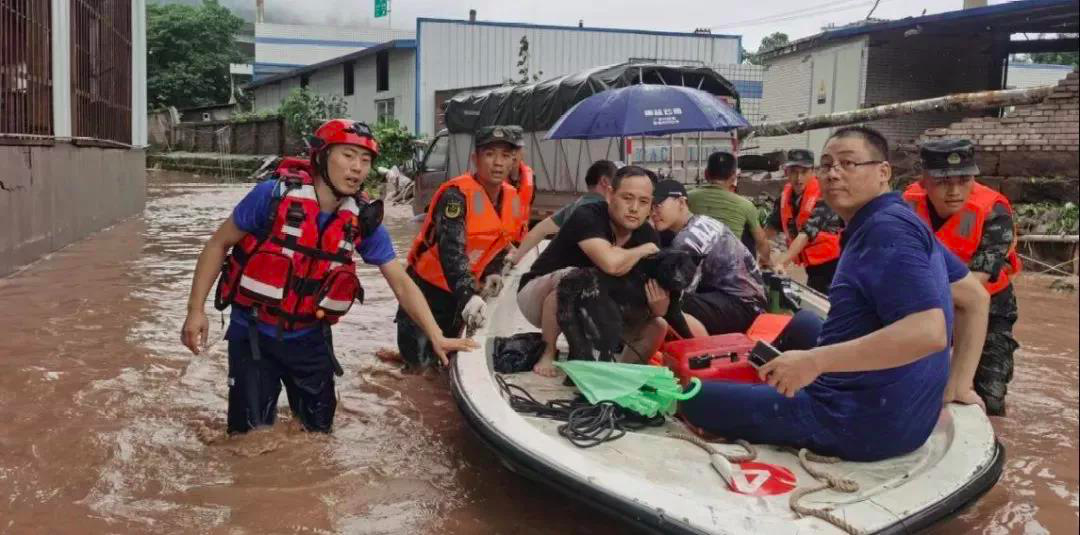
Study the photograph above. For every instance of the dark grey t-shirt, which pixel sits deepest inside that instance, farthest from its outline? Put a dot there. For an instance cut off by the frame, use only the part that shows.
(727, 266)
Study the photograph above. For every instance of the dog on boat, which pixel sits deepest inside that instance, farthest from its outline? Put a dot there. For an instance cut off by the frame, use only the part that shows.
(595, 309)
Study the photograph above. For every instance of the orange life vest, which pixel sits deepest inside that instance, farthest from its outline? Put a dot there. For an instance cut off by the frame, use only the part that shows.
(297, 275)
(526, 190)
(962, 231)
(826, 245)
(486, 232)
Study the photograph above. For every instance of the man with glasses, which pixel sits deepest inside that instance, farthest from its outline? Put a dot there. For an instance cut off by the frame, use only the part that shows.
(811, 228)
(874, 386)
(976, 224)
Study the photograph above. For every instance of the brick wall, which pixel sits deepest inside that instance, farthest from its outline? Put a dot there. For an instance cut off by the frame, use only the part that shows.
(920, 67)
(1033, 141)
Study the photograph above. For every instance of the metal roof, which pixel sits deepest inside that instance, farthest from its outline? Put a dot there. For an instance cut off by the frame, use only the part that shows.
(1033, 16)
(404, 44)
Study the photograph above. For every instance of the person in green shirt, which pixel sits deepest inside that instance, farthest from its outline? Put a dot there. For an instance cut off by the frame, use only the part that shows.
(718, 200)
(597, 179)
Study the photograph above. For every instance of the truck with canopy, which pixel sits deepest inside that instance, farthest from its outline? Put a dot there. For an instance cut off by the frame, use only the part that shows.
(559, 165)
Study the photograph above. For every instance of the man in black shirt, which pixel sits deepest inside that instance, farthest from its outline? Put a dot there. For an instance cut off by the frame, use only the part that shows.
(610, 236)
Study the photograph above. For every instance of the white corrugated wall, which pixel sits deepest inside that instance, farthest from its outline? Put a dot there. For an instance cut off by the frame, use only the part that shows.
(458, 54)
(1023, 75)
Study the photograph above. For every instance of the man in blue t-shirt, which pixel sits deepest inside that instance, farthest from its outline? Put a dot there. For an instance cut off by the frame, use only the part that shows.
(296, 350)
(874, 386)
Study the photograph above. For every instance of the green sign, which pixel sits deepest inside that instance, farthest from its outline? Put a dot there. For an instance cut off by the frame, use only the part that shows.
(382, 8)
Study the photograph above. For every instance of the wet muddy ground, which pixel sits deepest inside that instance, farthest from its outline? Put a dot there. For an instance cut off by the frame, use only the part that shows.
(107, 424)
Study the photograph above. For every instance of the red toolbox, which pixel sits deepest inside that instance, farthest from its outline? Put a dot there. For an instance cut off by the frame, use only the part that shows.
(711, 358)
(767, 327)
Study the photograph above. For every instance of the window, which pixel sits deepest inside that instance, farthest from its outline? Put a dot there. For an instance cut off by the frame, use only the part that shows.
(101, 70)
(384, 110)
(25, 68)
(348, 70)
(382, 71)
(304, 79)
(436, 156)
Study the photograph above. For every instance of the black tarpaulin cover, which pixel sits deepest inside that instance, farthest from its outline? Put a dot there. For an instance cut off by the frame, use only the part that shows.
(535, 107)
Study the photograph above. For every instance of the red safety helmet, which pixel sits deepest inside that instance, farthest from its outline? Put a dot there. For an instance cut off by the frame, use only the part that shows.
(343, 132)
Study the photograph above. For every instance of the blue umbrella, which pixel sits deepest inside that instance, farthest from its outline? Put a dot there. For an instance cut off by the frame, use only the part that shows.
(646, 109)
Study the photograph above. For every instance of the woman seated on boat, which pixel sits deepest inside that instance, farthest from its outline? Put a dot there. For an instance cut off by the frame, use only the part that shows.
(728, 291)
(874, 386)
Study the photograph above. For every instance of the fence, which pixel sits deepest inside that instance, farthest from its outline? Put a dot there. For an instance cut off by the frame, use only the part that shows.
(263, 136)
(101, 69)
(25, 68)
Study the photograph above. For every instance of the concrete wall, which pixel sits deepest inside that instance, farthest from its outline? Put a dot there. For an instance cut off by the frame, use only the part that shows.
(330, 81)
(54, 195)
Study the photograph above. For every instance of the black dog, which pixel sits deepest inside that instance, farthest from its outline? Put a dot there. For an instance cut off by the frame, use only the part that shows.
(596, 308)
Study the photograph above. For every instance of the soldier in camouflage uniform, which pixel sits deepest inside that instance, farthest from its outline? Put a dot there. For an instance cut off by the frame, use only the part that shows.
(450, 259)
(976, 223)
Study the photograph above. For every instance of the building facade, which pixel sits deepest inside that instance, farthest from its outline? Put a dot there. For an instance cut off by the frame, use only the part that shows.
(408, 79)
(881, 63)
(72, 121)
(284, 47)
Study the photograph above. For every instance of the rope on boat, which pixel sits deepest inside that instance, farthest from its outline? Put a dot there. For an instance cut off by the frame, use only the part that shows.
(828, 481)
(750, 455)
(586, 425)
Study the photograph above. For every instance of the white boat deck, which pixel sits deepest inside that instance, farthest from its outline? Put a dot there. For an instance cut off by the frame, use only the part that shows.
(673, 478)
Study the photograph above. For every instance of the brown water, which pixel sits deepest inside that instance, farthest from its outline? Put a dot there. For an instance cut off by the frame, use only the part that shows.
(107, 424)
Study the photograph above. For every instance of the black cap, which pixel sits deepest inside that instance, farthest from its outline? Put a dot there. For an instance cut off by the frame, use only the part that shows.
(799, 158)
(667, 189)
(509, 134)
(721, 165)
(949, 157)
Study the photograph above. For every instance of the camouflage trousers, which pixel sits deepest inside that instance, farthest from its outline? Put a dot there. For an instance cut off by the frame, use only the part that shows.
(413, 343)
(996, 364)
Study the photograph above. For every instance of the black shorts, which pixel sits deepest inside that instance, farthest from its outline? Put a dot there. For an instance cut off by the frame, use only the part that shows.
(302, 364)
(719, 312)
(820, 277)
(413, 344)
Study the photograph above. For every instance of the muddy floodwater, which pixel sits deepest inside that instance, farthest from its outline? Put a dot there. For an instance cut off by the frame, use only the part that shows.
(107, 424)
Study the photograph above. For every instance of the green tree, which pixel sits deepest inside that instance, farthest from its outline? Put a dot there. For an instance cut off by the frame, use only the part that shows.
(522, 65)
(188, 52)
(769, 42)
(395, 144)
(304, 111)
(1057, 58)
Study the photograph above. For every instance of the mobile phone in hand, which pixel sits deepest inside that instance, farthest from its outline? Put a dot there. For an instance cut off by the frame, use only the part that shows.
(762, 353)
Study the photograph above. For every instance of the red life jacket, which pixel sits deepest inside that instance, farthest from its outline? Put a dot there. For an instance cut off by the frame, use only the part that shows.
(962, 231)
(526, 190)
(826, 245)
(295, 276)
(486, 232)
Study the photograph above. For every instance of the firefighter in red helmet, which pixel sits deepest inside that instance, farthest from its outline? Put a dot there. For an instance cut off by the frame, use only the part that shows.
(285, 263)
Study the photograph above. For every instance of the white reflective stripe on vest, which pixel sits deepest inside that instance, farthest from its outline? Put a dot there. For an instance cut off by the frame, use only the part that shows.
(304, 192)
(336, 305)
(287, 252)
(349, 205)
(291, 231)
(346, 245)
(261, 288)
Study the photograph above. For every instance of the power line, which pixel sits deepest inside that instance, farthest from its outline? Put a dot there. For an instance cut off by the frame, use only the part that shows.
(800, 13)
